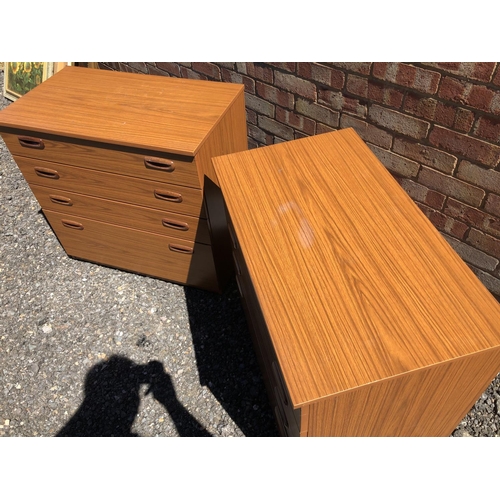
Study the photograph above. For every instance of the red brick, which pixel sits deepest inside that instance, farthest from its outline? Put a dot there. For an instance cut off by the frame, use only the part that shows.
(486, 178)
(361, 67)
(465, 213)
(423, 194)
(126, 68)
(484, 242)
(323, 74)
(339, 102)
(472, 255)
(451, 186)
(492, 226)
(496, 78)
(366, 131)
(227, 65)
(464, 119)
(375, 91)
(493, 204)
(193, 75)
(430, 109)
(252, 144)
(287, 66)
(474, 70)
(251, 116)
(354, 107)
(209, 69)
(406, 75)
(317, 112)
(439, 160)
(139, 67)
(241, 67)
(476, 96)
(495, 104)
(299, 122)
(357, 85)
(276, 128)
(398, 122)
(452, 89)
(444, 223)
(257, 71)
(296, 85)
(233, 77)
(445, 115)
(321, 128)
(479, 71)
(488, 128)
(384, 94)
(259, 105)
(274, 95)
(396, 164)
(423, 107)
(256, 133)
(491, 283)
(333, 99)
(171, 68)
(451, 67)
(299, 135)
(480, 97)
(469, 147)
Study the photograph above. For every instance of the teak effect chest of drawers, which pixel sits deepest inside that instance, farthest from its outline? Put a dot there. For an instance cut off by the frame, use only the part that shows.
(119, 163)
(365, 321)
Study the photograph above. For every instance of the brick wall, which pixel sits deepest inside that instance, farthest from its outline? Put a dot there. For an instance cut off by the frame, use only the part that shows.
(435, 126)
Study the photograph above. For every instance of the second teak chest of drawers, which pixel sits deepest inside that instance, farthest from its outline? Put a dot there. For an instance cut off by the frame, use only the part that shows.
(119, 163)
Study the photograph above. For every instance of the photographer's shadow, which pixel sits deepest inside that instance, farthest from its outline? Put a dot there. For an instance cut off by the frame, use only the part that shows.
(112, 399)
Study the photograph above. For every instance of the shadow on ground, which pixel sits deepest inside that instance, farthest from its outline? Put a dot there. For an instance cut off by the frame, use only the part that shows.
(226, 360)
(112, 400)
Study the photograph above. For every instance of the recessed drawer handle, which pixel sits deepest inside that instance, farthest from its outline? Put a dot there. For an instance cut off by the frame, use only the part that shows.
(236, 265)
(168, 196)
(60, 200)
(31, 142)
(173, 224)
(234, 241)
(279, 381)
(70, 224)
(240, 289)
(180, 249)
(48, 173)
(159, 164)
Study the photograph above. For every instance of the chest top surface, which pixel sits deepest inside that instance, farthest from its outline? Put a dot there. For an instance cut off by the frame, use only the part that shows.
(154, 112)
(354, 282)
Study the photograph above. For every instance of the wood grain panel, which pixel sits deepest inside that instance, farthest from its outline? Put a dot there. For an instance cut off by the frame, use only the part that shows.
(290, 423)
(229, 136)
(429, 402)
(354, 283)
(156, 221)
(151, 112)
(108, 159)
(113, 187)
(137, 251)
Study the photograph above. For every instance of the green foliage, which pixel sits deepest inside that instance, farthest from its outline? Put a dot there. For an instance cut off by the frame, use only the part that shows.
(23, 76)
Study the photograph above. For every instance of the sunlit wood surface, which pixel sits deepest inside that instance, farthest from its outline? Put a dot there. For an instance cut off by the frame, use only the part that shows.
(142, 111)
(356, 287)
(129, 155)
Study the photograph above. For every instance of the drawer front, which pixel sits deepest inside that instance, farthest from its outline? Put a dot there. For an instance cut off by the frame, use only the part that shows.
(156, 166)
(288, 419)
(162, 196)
(114, 212)
(142, 252)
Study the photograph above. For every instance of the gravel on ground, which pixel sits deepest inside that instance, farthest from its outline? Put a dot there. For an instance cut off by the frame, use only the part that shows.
(87, 350)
